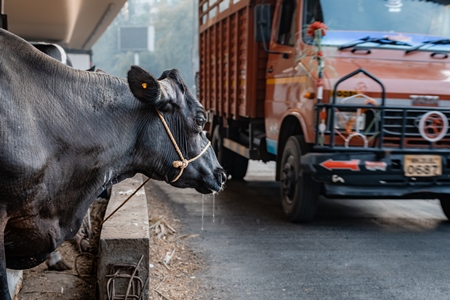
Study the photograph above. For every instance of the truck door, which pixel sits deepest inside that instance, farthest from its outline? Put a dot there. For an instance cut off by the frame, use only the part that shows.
(280, 71)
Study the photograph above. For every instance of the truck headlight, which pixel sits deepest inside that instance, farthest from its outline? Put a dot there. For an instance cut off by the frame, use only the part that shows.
(349, 120)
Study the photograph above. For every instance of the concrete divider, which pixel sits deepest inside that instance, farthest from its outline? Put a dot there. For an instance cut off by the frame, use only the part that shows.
(15, 278)
(124, 248)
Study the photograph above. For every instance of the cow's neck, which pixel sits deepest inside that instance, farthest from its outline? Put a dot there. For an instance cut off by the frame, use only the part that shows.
(114, 122)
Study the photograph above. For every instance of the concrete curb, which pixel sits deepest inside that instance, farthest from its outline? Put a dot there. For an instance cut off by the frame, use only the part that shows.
(15, 278)
(124, 250)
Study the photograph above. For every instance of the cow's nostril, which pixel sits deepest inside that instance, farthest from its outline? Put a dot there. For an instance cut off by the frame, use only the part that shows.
(223, 177)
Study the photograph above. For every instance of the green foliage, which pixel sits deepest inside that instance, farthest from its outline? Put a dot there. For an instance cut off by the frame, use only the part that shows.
(175, 39)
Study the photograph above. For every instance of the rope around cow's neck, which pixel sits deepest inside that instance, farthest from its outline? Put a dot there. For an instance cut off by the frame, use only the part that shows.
(184, 162)
(176, 164)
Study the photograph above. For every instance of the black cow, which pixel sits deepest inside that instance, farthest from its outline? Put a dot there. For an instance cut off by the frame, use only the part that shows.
(67, 134)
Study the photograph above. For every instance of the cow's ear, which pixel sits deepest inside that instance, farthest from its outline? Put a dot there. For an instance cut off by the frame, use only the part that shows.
(144, 86)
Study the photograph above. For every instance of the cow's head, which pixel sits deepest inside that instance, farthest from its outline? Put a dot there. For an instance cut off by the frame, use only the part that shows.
(186, 158)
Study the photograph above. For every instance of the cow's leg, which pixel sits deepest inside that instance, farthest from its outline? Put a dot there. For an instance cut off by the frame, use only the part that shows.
(4, 291)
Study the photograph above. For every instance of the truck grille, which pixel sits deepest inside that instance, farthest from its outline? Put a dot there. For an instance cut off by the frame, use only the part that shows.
(394, 118)
(368, 126)
(399, 127)
(398, 123)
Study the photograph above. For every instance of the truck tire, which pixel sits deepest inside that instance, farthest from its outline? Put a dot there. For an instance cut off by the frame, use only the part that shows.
(234, 164)
(240, 166)
(445, 204)
(299, 193)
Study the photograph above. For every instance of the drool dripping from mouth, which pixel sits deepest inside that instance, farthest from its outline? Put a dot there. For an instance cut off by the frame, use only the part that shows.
(213, 209)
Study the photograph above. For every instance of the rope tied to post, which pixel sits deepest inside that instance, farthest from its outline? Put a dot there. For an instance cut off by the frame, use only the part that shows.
(183, 163)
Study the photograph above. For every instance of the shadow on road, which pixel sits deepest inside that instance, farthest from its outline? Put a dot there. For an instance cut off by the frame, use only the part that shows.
(260, 200)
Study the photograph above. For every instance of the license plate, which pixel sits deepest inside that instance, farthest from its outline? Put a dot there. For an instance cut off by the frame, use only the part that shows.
(422, 165)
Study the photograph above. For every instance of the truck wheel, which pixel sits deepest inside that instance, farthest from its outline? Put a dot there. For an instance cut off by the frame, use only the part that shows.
(239, 168)
(233, 163)
(445, 204)
(299, 192)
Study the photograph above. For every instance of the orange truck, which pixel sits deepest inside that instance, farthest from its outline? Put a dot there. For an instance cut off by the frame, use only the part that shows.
(350, 98)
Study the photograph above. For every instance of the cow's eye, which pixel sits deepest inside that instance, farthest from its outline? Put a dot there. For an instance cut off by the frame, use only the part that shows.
(200, 121)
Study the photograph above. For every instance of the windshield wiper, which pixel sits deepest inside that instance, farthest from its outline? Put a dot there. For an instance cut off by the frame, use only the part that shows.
(433, 42)
(368, 39)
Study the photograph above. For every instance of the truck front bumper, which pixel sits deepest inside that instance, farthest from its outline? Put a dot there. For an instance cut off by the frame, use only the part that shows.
(367, 175)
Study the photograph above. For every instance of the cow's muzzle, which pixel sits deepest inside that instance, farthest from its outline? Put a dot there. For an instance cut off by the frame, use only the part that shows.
(220, 177)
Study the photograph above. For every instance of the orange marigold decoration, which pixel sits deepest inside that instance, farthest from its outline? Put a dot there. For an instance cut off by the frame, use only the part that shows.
(317, 26)
(317, 30)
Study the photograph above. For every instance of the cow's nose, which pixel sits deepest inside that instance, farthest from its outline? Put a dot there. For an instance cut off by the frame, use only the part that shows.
(221, 177)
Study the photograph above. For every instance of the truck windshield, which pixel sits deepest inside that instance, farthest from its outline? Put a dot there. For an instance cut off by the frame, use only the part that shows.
(410, 21)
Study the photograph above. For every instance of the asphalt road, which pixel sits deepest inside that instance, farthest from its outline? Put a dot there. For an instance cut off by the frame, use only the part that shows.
(355, 249)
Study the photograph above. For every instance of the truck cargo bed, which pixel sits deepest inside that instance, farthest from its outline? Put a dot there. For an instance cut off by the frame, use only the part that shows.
(232, 66)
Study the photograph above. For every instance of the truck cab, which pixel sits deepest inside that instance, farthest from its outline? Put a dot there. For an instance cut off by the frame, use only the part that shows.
(356, 100)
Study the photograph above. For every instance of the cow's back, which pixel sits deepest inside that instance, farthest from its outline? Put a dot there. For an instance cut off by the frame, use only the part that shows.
(19, 138)
(45, 118)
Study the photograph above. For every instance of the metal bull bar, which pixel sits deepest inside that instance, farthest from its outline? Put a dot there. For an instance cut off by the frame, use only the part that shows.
(386, 127)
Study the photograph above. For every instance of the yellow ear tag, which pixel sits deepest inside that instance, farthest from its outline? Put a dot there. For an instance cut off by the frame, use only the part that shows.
(144, 85)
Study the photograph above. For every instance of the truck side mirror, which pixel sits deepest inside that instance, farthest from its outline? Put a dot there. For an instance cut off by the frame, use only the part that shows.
(263, 23)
